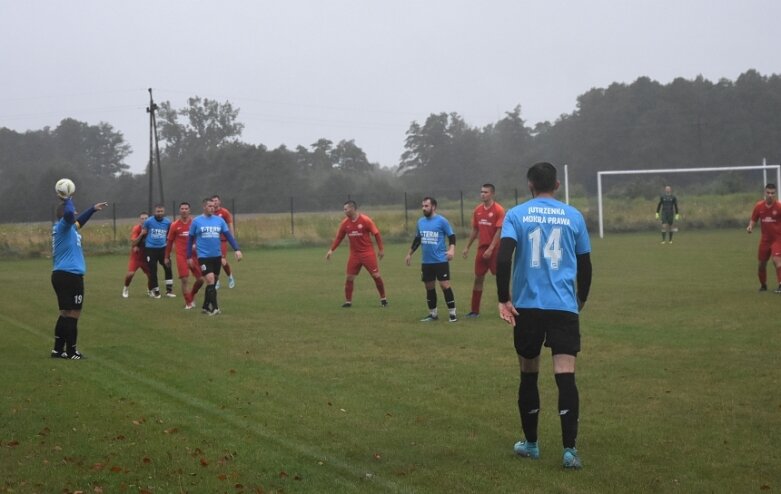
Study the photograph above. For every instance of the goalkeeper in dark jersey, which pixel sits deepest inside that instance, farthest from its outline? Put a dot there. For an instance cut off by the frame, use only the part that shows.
(668, 208)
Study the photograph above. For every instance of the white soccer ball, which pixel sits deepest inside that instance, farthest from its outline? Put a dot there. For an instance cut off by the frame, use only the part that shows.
(64, 188)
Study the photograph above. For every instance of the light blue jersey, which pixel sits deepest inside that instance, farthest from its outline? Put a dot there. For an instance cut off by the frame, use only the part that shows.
(434, 233)
(549, 236)
(206, 231)
(156, 232)
(66, 243)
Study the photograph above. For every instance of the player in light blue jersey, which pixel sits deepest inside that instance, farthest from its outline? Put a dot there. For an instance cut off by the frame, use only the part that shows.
(154, 234)
(68, 276)
(433, 231)
(551, 278)
(205, 231)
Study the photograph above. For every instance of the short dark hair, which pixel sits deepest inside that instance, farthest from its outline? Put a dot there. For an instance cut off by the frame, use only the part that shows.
(143, 212)
(431, 200)
(184, 203)
(542, 176)
(490, 186)
(215, 196)
(351, 203)
(770, 186)
(206, 200)
(159, 206)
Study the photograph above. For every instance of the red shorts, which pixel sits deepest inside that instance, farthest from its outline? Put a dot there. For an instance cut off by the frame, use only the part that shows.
(482, 266)
(196, 268)
(137, 262)
(768, 248)
(181, 265)
(224, 247)
(367, 260)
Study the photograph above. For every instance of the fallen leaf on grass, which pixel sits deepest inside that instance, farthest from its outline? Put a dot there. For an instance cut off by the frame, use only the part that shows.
(377, 456)
(98, 466)
(172, 430)
(12, 444)
(222, 476)
(283, 475)
(116, 469)
(146, 460)
(204, 462)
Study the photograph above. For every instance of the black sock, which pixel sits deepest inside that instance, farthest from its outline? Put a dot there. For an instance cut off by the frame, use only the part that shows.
(529, 405)
(664, 236)
(59, 335)
(450, 299)
(71, 333)
(211, 297)
(568, 408)
(671, 236)
(431, 298)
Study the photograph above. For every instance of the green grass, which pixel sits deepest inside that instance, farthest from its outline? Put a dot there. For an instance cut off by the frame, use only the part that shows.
(286, 391)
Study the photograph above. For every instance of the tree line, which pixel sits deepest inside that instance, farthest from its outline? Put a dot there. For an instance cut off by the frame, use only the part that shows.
(644, 124)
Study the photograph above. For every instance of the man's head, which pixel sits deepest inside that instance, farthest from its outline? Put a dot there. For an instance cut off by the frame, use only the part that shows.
(542, 178)
(142, 217)
(350, 209)
(487, 192)
(159, 212)
(184, 210)
(217, 202)
(770, 194)
(429, 206)
(668, 191)
(208, 206)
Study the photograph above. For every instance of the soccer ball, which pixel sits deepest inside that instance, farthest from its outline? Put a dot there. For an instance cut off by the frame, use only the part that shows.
(64, 188)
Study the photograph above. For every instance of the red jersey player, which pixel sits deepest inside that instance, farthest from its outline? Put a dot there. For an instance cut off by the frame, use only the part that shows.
(178, 235)
(359, 228)
(768, 213)
(228, 217)
(137, 257)
(487, 221)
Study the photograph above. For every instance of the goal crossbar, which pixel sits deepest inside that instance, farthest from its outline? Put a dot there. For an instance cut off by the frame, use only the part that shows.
(675, 170)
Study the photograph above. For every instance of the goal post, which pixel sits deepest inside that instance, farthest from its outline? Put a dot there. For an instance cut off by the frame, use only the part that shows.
(677, 170)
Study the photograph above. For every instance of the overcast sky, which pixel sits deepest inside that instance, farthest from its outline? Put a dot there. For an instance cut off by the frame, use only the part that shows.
(300, 70)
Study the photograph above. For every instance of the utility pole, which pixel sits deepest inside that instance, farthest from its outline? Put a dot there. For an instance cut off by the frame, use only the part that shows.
(154, 151)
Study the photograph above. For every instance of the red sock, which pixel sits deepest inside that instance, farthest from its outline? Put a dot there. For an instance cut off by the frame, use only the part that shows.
(128, 278)
(196, 286)
(380, 286)
(188, 298)
(762, 276)
(348, 290)
(778, 275)
(476, 296)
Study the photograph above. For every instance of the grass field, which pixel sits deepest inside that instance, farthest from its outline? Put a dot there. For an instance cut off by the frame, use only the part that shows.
(287, 392)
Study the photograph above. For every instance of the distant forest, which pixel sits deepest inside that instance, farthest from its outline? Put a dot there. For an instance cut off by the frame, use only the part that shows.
(644, 124)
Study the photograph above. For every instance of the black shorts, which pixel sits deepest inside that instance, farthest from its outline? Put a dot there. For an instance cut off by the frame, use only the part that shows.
(69, 288)
(667, 218)
(557, 329)
(437, 271)
(211, 265)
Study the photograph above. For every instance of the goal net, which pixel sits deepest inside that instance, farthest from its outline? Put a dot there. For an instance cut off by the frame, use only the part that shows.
(655, 184)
